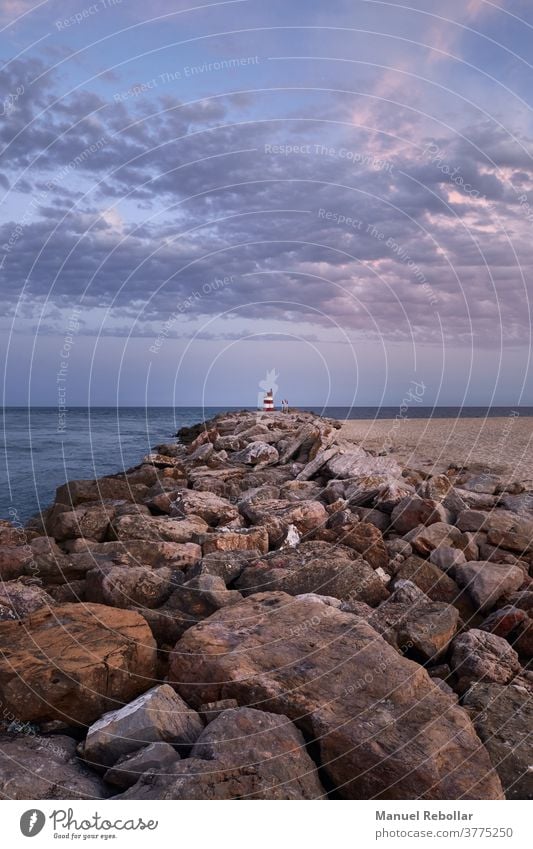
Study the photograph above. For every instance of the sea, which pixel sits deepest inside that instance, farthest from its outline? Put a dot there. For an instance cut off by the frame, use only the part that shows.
(37, 456)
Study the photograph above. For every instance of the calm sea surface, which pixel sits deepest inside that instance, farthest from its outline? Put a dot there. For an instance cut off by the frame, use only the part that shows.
(35, 458)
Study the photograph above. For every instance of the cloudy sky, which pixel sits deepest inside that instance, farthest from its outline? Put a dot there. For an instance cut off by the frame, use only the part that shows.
(333, 194)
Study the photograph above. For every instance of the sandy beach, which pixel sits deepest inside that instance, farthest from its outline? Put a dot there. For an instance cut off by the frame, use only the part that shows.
(502, 445)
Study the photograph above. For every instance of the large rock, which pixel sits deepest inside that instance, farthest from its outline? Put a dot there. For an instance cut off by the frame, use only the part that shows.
(413, 511)
(156, 758)
(117, 488)
(14, 561)
(159, 715)
(90, 522)
(430, 579)
(487, 582)
(439, 534)
(303, 514)
(348, 580)
(126, 586)
(503, 720)
(414, 624)
(257, 453)
(383, 729)
(355, 462)
(37, 767)
(73, 662)
(363, 537)
(481, 656)
(22, 598)
(236, 540)
(160, 528)
(227, 565)
(214, 510)
(242, 754)
(138, 552)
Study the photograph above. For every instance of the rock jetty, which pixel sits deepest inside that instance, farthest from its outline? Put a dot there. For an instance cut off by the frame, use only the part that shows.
(262, 610)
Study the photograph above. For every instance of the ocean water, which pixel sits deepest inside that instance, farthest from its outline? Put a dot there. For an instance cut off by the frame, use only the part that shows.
(36, 458)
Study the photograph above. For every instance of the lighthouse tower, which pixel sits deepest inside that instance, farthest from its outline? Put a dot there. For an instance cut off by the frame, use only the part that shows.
(268, 401)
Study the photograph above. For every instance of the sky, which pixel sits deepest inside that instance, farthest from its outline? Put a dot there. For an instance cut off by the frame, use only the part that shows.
(333, 197)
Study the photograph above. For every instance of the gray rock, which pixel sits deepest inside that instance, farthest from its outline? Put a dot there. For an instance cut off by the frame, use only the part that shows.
(487, 582)
(243, 754)
(159, 715)
(503, 717)
(36, 767)
(157, 759)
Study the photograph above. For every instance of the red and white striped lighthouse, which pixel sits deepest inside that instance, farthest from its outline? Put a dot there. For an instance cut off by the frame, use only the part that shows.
(268, 401)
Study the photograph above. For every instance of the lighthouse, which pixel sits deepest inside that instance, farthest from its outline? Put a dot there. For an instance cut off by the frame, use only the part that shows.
(268, 401)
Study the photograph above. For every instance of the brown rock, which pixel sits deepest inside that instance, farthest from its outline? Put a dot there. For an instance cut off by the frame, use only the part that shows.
(480, 656)
(73, 662)
(160, 528)
(212, 509)
(503, 716)
(425, 540)
(117, 488)
(91, 522)
(413, 511)
(129, 586)
(346, 688)
(348, 580)
(270, 762)
(240, 540)
(23, 599)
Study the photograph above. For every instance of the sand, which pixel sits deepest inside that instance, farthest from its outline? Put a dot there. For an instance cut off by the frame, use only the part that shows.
(500, 445)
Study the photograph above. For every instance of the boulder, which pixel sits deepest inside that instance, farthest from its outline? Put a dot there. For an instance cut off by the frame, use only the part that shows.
(480, 656)
(193, 601)
(90, 522)
(160, 528)
(73, 662)
(125, 586)
(355, 462)
(157, 759)
(348, 580)
(413, 511)
(503, 717)
(236, 540)
(36, 767)
(435, 488)
(487, 582)
(157, 716)
(22, 598)
(139, 552)
(425, 539)
(212, 509)
(505, 621)
(447, 558)
(14, 561)
(269, 762)
(256, 453)
(382, 728)
(484, 483)
(118, 488)
(430, 579)
(227, 565)
(416, 625)
(367, 540)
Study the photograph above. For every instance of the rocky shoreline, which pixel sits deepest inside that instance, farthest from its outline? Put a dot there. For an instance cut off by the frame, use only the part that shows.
(265, 610)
